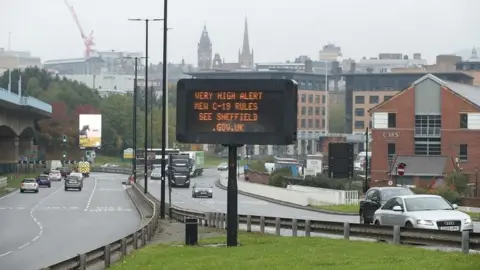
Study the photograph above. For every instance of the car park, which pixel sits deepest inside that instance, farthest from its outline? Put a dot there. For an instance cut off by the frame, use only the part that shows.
(424, 212)
(222, 166)
(73, 182)
(202, 190)
(29, 184)
(55, 175)
(375, 198)
(44, 180)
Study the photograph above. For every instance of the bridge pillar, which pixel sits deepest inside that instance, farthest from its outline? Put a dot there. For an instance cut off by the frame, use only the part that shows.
(25, 146)
(9, 149)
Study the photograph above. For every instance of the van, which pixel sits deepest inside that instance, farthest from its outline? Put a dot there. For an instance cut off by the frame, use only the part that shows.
(360, 161)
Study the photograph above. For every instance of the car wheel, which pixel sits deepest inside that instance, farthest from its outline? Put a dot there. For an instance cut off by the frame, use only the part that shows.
(66, 189)
(408, 225)
(362, 218)
(36, 191)
(194, 196)
(80, 189)
(377, 223)
(21, 190)
(49, 186)
(210, 196)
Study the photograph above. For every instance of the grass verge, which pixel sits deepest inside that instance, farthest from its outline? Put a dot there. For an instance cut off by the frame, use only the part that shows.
(212, 160)
(100, 160)
(272, 252)
(352, 208)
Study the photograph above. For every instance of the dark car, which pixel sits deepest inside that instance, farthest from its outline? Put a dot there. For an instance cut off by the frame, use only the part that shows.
(44, 180)
(65, 171)
(376, 197)
(202, 190)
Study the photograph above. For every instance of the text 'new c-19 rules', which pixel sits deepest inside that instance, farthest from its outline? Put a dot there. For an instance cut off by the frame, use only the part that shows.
(232, 111)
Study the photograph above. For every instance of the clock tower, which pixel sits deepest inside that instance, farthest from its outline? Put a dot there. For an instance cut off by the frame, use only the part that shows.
(204, 50)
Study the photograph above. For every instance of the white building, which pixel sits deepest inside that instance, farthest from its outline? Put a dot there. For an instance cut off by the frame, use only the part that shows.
(17, 59)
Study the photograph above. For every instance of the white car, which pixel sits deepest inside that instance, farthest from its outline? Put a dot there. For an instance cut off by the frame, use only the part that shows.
(222, 167)
(77, 174)
(29, 184)
(55, 175)
(424, 212)
(156, 174)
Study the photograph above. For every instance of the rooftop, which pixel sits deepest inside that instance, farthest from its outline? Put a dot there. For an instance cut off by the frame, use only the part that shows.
(240, 74)
(458, 73)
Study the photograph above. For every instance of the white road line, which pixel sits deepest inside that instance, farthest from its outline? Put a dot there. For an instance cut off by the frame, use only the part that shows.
(91, 194)
(6, 253)
(36, 238)
(26, 244)
(8, 195)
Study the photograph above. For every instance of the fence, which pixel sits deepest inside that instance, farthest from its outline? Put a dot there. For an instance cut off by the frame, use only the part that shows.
(3, 182)
(111, 252)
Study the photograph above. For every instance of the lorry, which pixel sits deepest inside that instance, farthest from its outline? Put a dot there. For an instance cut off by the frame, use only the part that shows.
(84, 168)
(178, 170)
(197, 161)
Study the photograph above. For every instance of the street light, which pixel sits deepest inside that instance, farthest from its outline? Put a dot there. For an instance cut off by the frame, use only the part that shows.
(145, 173)
(164, 110)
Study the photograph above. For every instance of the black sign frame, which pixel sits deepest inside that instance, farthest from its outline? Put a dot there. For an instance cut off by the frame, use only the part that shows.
(286, 87)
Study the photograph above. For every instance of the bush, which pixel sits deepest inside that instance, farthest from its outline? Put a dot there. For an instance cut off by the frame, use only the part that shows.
(278, 178)
(321, 182)
(460, 181)
(450, 195)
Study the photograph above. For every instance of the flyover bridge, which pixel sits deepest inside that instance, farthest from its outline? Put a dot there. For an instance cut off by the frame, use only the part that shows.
(17, 125)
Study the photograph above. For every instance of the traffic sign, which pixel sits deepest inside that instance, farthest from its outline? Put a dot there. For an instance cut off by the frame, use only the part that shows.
(401, 169)
(390, 182)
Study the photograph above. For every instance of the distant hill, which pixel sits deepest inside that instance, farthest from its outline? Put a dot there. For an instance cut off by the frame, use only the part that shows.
(466, 53)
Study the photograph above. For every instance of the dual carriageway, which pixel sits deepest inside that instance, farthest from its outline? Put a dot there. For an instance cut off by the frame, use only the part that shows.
(37, 230)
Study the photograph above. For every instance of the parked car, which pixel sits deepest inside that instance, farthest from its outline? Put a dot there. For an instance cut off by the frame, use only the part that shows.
(44, 180)
(202, 190)
(29, 184)
(55, 175)
(424, 212)
(74, 182)
(222, 166)
(375, 198)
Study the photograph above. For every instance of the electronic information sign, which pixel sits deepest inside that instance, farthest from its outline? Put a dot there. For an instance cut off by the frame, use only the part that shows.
(231, 111)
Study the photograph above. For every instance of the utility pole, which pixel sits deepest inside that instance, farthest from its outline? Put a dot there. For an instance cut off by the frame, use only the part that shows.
(164, 108)
(145, 173)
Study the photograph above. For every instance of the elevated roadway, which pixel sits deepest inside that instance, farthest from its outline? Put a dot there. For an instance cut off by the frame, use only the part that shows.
(182, 197)
(39, 229)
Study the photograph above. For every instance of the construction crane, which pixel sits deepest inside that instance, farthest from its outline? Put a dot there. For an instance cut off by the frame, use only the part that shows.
(87, 40)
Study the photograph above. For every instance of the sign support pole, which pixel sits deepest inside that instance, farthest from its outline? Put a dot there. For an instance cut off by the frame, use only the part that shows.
(232, 197)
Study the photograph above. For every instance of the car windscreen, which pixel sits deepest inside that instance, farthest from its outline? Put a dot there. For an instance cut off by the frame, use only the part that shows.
(202, 186)
(159, 171)
(223, 165)
(180, 162)
(74, 178)
(43, 177)
(427, 204)
(29, 180)
(54, 171)
(390, 193)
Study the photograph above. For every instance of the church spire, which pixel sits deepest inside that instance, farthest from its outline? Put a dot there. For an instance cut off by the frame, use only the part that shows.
(474, 54)
(246, 42)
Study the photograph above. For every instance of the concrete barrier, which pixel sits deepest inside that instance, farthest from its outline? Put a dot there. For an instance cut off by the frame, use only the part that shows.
(3, 182)
(320, 196)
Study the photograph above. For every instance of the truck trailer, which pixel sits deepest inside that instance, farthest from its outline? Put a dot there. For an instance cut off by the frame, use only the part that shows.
(197, 160)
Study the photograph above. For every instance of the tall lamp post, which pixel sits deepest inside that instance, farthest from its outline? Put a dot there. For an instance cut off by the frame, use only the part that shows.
(164, 108)
(145, 173)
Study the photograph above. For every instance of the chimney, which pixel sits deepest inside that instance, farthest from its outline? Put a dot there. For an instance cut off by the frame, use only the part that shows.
(308, 66)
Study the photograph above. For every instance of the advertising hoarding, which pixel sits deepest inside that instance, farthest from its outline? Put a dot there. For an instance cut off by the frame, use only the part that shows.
(236, 111)
(90, 131)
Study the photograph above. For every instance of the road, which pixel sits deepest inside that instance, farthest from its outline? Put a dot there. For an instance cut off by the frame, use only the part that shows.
(182, 197)
(39, 229)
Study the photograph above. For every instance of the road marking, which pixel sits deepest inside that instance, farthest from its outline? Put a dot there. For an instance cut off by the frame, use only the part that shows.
(26, 244)
(91, 194)
(8, 195)
(6, 253)
(110, 209)
(35, 239)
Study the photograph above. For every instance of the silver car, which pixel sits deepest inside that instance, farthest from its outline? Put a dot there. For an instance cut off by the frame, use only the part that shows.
(424, 212)
(222, 167)
(55, 175)
(29, 184)
(73, 182)
(202, 190)
(156, 174)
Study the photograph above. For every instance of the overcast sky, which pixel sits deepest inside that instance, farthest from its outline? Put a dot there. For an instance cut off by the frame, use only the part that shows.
(279, 29)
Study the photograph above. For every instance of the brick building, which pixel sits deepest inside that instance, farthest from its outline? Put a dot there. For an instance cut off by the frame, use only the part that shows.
(431, 126)
(366, 90)
(311, 107)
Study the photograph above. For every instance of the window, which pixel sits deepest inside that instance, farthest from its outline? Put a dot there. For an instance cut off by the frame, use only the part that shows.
(310, 110)
(463, 152)
(428, 146)
(310, 98)
(359, 125)
(370, 125)
(359, 100)
(359, 112)
(317, 123)
(317, 110)
(463, 120)
(391, 151)
(392, 120)
(385, 98)
(304, 110)
(304, 98)
(310, 123)
(302, 123)
(374, 99)
(428, 125)
(323, 111)
(389, 204)
(317, 99)
(323, 123)
(323, 99)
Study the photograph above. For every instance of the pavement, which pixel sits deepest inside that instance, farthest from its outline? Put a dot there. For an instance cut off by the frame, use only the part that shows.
(40, 229)
(182, 197)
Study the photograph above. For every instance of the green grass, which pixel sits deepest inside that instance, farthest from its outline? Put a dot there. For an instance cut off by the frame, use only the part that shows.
(474, 215)
(212, 160)
(271, 252)
(343, 208)
(100, 160)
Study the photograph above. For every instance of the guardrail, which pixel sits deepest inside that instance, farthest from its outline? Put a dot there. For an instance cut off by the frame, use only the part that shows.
(320, 196)
(3, 182)
(116, 250)
(397, 235)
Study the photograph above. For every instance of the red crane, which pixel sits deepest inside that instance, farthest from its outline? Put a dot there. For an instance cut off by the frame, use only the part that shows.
(87, 40)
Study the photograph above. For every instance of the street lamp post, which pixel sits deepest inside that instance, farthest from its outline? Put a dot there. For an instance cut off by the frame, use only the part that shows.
(145, 173)
(164, 110)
